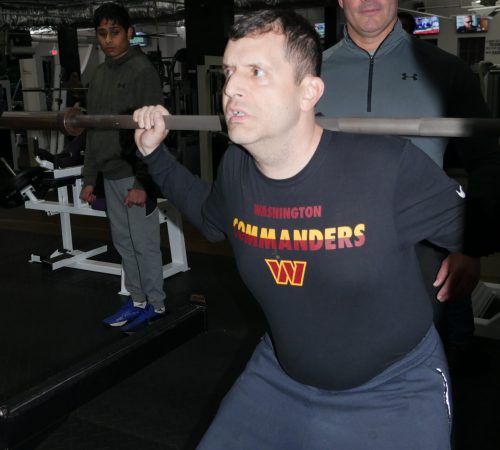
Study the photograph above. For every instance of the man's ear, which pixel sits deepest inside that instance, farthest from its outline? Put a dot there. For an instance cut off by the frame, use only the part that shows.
(130, 32)
(341, 3)
(312, 90)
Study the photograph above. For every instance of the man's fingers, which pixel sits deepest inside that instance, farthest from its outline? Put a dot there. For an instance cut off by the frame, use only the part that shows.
(148, 117)
(444, 293)
(443, 280)
(140, 116)
(453, 287)
(442, 274)
(456, 287)
(152, 128)
(457, 276)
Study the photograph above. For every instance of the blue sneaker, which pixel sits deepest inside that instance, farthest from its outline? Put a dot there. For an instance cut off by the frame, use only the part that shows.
(146, 315)
(126, 313)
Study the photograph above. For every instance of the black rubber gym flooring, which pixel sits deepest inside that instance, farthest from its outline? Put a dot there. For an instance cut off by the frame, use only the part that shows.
(75, 384)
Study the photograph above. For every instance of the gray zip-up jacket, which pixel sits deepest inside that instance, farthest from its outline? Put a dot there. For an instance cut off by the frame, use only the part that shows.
(408, 77)
(119, 86)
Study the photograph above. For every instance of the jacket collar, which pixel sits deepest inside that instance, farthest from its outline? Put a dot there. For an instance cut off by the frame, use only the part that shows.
(129, 54)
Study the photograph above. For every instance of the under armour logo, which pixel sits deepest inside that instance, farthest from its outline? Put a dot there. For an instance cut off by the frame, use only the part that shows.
(120, 85)
(405, 76)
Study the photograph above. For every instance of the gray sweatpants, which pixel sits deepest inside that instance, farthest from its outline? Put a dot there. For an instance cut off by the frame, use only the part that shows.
(405, 407)
(136, 237)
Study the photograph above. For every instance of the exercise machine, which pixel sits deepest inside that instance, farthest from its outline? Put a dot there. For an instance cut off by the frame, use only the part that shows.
(56, 173)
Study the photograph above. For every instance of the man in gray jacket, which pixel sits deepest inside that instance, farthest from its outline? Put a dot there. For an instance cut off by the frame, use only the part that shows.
(379, 70)
(126, 80)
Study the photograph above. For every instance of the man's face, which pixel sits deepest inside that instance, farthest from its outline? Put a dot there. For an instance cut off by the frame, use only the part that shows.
(369, 19)
(113, 38)
(260, 96)
(468, 22)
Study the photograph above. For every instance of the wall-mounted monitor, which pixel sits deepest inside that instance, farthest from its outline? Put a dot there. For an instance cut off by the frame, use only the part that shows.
(320, 29)
(140, 39)
(471, 23)
(426, 25)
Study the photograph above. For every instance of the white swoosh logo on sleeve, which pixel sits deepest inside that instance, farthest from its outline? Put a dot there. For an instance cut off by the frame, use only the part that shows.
(461, 192)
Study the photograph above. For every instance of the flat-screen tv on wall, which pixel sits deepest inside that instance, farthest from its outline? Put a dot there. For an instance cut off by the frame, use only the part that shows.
(320, 29)
(471, 23)
(140, 39)
(426, 25)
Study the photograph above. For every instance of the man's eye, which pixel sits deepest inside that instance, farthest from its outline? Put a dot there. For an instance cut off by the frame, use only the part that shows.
(258, 72)
(227, 73)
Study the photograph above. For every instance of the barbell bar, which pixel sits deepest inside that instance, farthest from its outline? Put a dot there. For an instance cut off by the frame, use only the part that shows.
(414, 126)
(72, 121)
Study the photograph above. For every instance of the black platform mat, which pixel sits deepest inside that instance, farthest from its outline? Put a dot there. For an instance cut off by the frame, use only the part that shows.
(53, 336)
(168, 405)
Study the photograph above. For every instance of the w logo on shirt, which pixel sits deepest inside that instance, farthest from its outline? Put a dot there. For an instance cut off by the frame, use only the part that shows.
(287, 272)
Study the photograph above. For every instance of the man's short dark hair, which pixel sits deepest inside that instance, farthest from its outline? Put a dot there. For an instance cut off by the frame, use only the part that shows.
(302, 46)
(112, 12)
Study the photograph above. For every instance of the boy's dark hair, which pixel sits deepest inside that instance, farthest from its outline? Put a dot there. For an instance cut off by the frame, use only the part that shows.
(302, 46)
(112, 12)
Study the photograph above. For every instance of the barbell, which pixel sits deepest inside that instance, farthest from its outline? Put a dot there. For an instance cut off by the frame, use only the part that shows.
(72, 121)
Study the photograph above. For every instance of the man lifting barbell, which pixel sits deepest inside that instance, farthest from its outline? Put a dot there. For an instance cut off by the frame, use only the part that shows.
(352, 358)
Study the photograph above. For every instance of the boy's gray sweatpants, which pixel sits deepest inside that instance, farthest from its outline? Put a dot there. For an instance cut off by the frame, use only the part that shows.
(136, 237)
